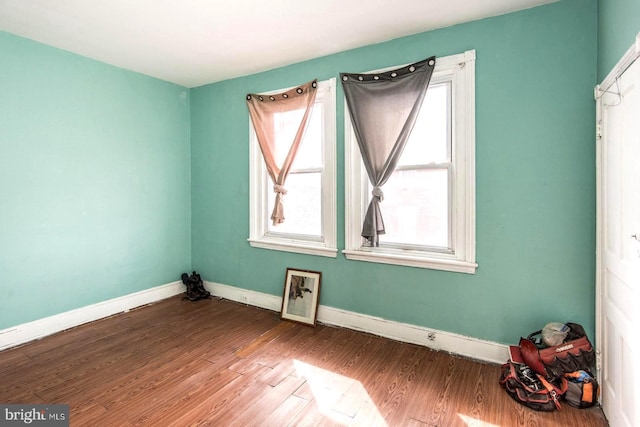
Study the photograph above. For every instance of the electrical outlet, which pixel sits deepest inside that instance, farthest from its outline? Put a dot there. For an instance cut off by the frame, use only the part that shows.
(431, 336)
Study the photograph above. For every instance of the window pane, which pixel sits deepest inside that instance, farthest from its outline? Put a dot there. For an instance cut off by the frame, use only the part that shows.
(302, 205)
(416, 208)
(310, 150)
(430, 138)
(285, 126)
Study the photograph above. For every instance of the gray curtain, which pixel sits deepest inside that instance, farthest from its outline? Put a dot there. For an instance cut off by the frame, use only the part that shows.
(383, 109)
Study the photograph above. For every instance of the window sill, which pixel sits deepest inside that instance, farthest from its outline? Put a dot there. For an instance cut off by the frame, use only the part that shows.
(309, 248)
(419, 261)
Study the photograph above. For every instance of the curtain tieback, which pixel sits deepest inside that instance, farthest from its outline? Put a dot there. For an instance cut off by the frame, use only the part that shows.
(279, 189)
(377, 192)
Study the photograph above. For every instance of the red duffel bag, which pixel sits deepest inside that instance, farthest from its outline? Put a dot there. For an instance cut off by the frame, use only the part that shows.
(574, 354)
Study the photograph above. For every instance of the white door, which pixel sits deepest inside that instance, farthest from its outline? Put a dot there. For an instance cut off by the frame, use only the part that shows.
(619, 246)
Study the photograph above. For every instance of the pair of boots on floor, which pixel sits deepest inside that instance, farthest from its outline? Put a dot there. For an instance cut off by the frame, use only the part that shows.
(195, 287)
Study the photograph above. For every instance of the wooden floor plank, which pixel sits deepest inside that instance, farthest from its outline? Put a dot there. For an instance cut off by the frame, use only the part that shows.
(264, 339)
(283, 414)
(278, 373)
(185, 395)
(215, 362)
(224, 405)
(273, 398)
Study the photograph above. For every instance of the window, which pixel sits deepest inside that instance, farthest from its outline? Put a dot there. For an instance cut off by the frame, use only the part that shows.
(429, 201)
(310, 203)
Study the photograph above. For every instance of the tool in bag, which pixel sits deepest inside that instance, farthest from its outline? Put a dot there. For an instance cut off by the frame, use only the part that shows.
(573, 354)
(531, 389)
(582, 389)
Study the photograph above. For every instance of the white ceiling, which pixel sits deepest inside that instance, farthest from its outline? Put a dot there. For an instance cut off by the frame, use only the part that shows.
(195, 42)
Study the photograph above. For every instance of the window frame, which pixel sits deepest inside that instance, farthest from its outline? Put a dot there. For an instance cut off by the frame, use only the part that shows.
(260, 184)
(460, 69)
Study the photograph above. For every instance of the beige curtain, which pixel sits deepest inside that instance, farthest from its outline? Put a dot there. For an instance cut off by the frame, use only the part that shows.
(263, 110)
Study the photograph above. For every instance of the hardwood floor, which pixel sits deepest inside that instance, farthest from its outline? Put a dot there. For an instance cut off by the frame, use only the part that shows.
(215, 362)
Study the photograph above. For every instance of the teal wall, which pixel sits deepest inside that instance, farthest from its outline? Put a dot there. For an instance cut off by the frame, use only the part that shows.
(94, 181)
(618, 25)
(536, 70)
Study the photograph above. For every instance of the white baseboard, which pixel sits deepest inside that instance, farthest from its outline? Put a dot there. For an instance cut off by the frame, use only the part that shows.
(26, 332)
(245, 296)
(487, 351)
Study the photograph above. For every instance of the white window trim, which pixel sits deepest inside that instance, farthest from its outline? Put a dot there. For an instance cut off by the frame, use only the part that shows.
(462, 69)
(258, 180)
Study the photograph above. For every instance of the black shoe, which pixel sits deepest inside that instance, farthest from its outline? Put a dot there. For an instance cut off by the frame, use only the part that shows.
(192, 293)
(201, 290)
(197, 286)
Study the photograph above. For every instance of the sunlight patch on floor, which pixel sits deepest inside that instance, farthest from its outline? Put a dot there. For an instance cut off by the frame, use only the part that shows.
(474, 422)
(342, 399)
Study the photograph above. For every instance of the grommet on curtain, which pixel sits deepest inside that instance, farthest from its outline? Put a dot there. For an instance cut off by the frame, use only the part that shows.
(299, 90)
(412, 69)
(248, 97)
(394, 74)
(261, 98)
(272, 98)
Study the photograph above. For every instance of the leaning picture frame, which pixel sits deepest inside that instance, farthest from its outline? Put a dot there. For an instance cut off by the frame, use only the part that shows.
(301, 296)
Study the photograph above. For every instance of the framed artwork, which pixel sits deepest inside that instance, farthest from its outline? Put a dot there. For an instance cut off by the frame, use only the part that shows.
(301, 294)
